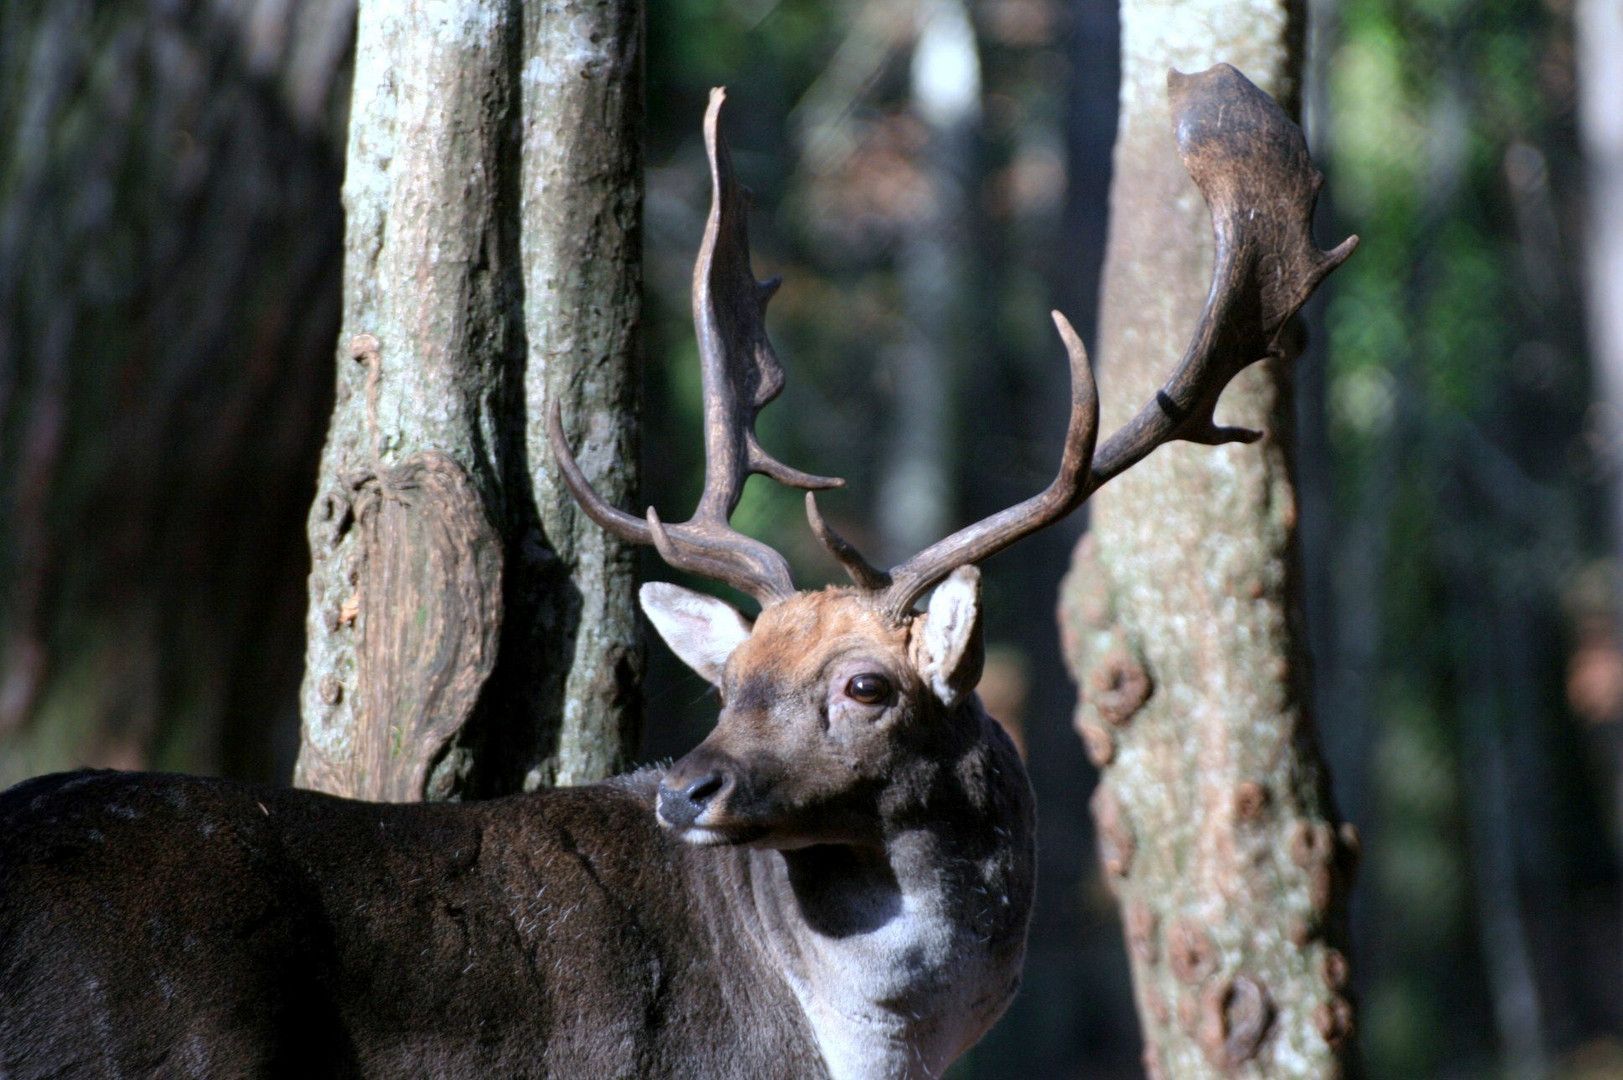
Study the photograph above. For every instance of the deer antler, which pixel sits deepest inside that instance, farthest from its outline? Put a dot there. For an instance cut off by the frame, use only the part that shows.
(1251, 163)
(1069, 489)
(740, 374)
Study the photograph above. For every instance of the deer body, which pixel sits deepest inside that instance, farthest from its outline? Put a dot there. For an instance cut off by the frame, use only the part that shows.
(555, 935)
(836, 883)
(153, 924)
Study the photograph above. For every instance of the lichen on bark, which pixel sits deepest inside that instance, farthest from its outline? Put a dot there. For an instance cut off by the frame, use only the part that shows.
(1181, 624)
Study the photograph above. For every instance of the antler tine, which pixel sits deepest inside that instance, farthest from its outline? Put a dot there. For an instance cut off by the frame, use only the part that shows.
(1251, 163)
(609, 517)
(864, 573)
(740, 374)
(1069, 489)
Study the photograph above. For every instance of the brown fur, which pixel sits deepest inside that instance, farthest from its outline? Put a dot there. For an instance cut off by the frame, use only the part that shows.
(882, 870)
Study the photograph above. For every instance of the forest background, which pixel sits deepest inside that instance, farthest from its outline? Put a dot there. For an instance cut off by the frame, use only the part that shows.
(170, 266)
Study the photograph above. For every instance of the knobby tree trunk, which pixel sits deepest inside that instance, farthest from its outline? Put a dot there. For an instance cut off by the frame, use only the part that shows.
(1183, 627)
(582, 252)
(468, 632)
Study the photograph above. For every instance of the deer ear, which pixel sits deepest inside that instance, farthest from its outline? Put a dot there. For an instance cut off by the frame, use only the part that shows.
(952, 651)
(700, 629)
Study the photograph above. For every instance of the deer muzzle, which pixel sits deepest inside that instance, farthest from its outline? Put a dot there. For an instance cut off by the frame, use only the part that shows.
(693, 797)
(682, 806)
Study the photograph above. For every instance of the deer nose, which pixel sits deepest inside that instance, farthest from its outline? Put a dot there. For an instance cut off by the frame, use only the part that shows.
(681, 806)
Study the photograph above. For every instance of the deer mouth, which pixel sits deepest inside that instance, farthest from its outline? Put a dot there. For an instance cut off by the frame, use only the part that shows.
(718, 834)
(699, 835)
(697, 812)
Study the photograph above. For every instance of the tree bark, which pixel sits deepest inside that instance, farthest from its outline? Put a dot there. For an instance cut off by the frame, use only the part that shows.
(582, 253)
(169, 256)
(1182, 623)
(467, 635)
(1598, 28)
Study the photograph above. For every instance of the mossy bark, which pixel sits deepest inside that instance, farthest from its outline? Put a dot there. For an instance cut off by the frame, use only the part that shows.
(1181, 616)
(468, 634)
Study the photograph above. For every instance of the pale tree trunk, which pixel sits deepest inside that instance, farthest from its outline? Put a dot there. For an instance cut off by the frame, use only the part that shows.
(582, 251)
(468, 632)
(1599, 31)
(1598, 26)
(1183, 627)
(915, 503)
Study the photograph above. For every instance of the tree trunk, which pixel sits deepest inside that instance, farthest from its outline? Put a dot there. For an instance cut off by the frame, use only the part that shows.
(1599, 31)
(1182, 620)
(1598, 27)
(466, 635)
(915, 504)
(169, 255)
(582, 252)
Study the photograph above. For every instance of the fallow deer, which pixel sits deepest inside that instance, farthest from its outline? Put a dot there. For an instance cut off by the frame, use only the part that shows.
(835, 883)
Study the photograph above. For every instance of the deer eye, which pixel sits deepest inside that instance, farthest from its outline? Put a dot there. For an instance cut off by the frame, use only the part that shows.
(868, 688)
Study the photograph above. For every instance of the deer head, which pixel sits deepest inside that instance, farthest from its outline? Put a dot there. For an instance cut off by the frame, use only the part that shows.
(825, 702)
(827, 695)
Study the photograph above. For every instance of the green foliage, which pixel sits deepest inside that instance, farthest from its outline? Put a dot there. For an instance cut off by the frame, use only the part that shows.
(1462, 466)
(767, 50)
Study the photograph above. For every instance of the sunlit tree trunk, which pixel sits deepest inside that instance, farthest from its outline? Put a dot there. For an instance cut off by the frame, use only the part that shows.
(1182, 619)
(468, 632)
(1599, 27)
(1599, 31)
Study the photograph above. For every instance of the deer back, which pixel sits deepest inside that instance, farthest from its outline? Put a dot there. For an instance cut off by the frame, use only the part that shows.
(212, 928)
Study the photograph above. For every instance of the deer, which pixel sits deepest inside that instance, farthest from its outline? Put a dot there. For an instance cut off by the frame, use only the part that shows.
(835, 883)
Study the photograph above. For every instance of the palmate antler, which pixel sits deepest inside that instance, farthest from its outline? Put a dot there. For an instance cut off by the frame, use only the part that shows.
(1251, 163)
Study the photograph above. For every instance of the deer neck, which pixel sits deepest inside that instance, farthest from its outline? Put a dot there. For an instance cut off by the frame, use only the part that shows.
(903, 954)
